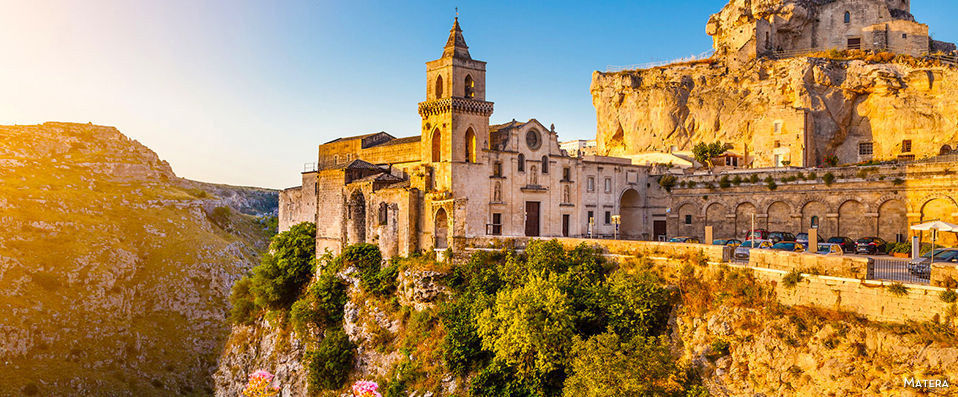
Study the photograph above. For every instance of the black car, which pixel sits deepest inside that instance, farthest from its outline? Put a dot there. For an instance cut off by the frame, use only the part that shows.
(848, 245)
(871, 246)
(781, 236)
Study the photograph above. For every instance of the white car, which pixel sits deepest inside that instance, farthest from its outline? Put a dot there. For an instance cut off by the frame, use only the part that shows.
(742, 251)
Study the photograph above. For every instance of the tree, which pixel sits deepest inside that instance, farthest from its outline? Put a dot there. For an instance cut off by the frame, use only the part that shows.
(606, 365)
(705, 152)
(286, 268)
(529, 328)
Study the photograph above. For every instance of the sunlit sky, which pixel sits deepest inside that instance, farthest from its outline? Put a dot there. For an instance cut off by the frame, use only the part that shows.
(242, 92)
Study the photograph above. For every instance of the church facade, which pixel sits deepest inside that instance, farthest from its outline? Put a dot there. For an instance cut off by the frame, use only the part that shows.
(462, 178)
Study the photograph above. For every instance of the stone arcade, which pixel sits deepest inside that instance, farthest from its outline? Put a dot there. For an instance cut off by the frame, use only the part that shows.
(463, 178)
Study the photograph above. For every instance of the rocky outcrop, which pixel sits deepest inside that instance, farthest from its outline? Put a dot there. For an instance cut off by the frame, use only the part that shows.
(114, 275)
(804, 353)
(845, 103)
(258, 346)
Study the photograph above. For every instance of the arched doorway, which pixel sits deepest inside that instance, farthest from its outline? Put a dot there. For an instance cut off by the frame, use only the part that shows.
(945, 149)
(892, 220)
(441, 230)
(630, 211)
(851, 220)
(715, 216)
(436, 146)
(813, 217)
(356, 219)
(470, 146)
(778, 214)
(939, 209)
(743, 219)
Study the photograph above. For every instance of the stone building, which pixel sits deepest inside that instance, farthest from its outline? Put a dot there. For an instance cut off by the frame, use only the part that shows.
(787, 27)
(461, 177)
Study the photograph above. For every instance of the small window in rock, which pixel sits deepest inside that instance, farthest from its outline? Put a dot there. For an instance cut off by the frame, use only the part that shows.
(906, 146)
(904, 35)
(865, 149)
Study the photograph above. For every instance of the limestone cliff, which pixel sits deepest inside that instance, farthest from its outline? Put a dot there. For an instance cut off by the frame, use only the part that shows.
(114, 273)
(829, 106)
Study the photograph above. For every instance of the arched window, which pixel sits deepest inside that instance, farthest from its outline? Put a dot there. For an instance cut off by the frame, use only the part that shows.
(436, 146)
(383, 213)
(470, 87)
(521, 161)
(545, 164)
(470, 146)
(848, 17)
(438, 87)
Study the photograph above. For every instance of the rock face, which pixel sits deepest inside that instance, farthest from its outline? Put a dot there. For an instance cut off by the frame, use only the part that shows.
(114, 272)
(781, 108)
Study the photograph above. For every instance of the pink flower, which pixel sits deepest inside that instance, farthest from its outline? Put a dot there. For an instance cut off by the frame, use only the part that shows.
(366, 389)
(262, 375)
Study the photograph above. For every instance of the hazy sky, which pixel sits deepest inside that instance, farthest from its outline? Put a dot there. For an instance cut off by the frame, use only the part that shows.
(242, 92)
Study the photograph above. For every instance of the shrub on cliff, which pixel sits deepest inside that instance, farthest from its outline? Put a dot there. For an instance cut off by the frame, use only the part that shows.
(322, 305)
(286, 267)
(667, 182)
(278, 280)
(608, 365)
(328, 366)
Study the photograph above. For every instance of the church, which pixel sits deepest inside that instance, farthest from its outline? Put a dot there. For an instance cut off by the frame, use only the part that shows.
(461, 180)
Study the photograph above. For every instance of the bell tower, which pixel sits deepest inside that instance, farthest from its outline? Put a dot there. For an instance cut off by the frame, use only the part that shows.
(455, 114)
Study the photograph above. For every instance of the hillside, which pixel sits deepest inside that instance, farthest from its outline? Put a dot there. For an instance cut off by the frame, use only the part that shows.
(114, 272)
(557, 322)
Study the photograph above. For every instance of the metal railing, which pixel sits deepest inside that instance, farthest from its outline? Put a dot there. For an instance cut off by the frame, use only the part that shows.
(310, 167)
(654, 64)
(900, 270)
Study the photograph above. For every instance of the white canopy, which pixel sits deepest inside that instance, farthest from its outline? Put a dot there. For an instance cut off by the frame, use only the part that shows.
(937, 225)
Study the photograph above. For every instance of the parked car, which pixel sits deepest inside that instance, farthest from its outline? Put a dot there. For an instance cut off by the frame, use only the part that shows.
(803, 238)
(687, 240)
(756, 234)
(781, 236)
(871, 246)
(742, 252)
(788, 246)
(829, 249)
(848, 245)
(922, 265)
(730, 242)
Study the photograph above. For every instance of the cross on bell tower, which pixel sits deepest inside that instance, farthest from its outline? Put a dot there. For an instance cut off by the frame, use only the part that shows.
(455, 114)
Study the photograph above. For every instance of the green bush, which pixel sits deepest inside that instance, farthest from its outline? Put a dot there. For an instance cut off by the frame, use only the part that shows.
(461, 345)
(898, 181)
(828, 178)
(792, 279)
(322, 305)
(286, 268)
(718, 348)
(328, 366)
(220, 216)
(241, 299)
(607, 365)
(770, 183)
(725, 182)
(667, 182)
(812, 176)
(948, 296)
(737, 180)
(898, 289)
(637, 305)
(753, 178)
(903, 247)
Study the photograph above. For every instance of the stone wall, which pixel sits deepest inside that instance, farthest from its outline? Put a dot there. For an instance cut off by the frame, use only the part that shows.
(944, 275)
(829, 265)
(871, 299)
